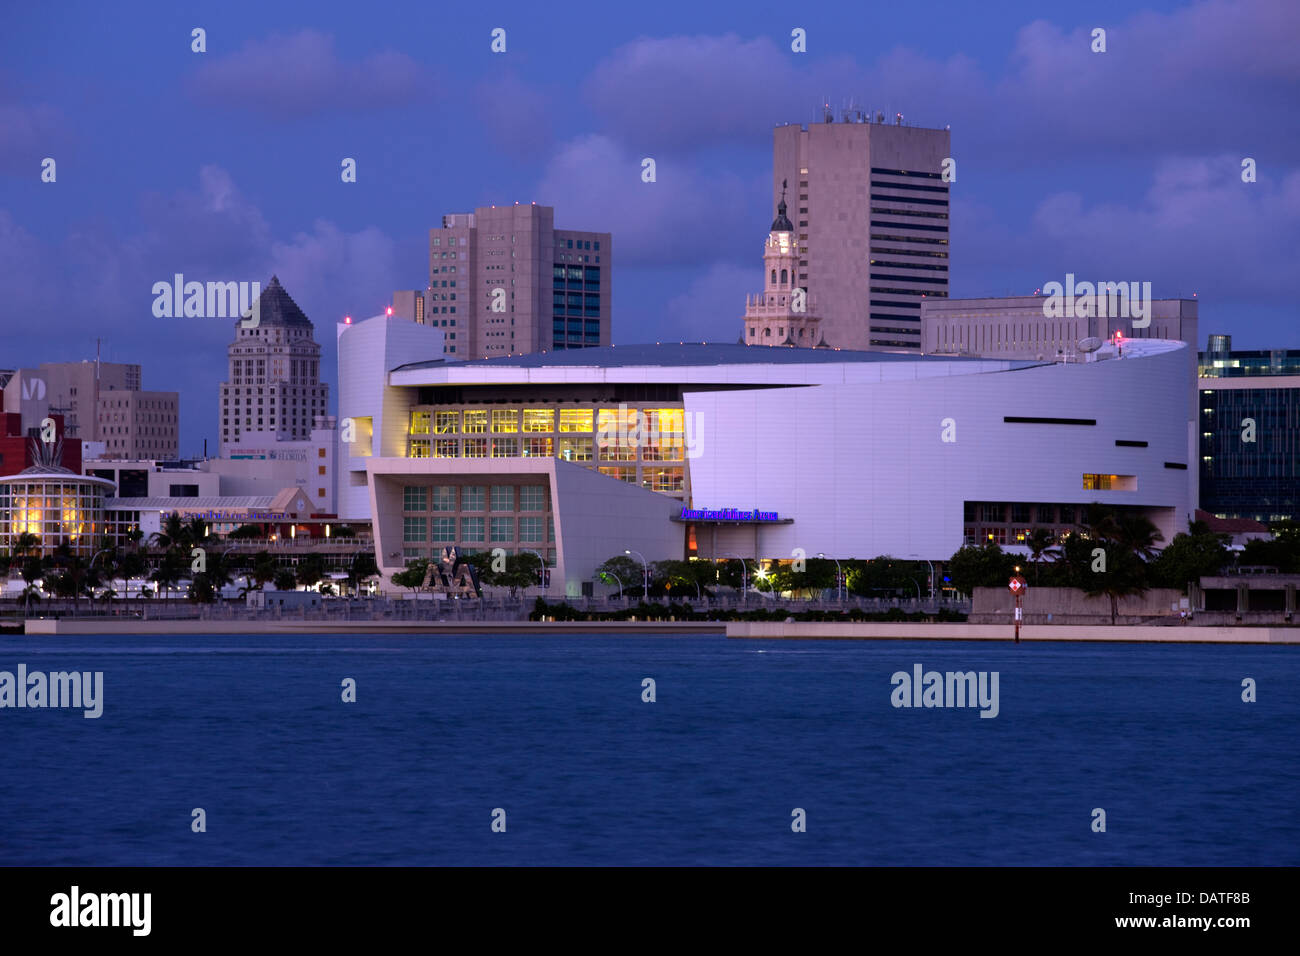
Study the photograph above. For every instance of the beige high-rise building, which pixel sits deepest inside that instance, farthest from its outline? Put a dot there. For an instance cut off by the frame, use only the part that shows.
(99, 402)
(70, 389)
(136, 424)
(869, 203)
(409, 304)
(274, 385)
(504, 281)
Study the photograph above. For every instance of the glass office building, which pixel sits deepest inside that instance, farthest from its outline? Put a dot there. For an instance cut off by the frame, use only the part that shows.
(1250, 431)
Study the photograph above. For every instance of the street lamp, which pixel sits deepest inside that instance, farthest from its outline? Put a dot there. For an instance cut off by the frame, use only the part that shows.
(744, 574)
(616, 578)
(645, 574)
(839, 575)
(932, 578)
(543, 563)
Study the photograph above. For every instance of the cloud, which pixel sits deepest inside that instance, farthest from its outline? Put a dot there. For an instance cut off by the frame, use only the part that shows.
(517, 116)
(212, 232)
(712, 307)
(1195, 79)
(301, 74)
(688, 215)
(1198, 228)
(29, 133)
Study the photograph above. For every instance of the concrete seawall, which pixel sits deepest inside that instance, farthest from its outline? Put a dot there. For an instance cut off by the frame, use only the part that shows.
(906, 631)
(127, 628)
(810, 630)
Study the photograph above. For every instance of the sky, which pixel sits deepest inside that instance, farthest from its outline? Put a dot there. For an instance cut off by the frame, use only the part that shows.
(224, 165)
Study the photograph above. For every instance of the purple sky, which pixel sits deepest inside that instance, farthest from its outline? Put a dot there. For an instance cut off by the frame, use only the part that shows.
(224, 165)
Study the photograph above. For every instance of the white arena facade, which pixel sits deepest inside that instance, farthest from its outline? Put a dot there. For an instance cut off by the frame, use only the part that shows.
(715, 451)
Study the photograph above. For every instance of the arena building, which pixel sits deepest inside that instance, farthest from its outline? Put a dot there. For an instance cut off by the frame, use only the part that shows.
(700, 450)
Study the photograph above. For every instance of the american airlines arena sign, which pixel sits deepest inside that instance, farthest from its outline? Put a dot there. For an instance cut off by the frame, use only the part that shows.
(727, 514)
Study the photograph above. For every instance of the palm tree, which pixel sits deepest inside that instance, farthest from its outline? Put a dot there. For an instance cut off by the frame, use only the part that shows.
(1122, 577)
(196, 532)
(1136, 534)
(171, 568)
(1129, 540)
(171, 534)
(33, 571)
(1039, 542)
(264, 569)
(25, 544)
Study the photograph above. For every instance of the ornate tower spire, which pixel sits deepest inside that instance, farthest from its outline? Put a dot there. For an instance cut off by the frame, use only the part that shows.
(783, 313)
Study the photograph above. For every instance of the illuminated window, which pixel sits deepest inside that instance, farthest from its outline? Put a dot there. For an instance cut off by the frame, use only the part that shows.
(475, 422)
(539, 419)
(621, 472)
(476, 448)
(419, 448)
(446, 423)
(664, 480)
(446, 448)
(575, 449)
(612, 452)
(505, 421)
(1093, 482)
(575, 420)
(668, 449)
(419, 423)
(666, 421)
(537, 448)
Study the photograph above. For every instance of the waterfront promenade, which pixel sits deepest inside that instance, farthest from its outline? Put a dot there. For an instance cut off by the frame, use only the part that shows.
(794, 630)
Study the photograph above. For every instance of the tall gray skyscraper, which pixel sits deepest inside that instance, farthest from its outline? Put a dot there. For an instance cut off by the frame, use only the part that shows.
(869, 206)
(274, 378)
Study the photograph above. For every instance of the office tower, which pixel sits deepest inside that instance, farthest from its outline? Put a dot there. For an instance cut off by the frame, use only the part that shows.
(138, 424)
(870, 211)
(70, 389)
(1020, 326)
(100, 402)
(503, 280)
(1250, 431)
(409, 304)
(274, 385)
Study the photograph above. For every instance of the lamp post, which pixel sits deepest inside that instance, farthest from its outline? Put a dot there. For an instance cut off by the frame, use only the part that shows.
(616, 578)
(744, 576)
(543, 564)
(839, 575)
(645, 574)
(931, 565)
(91, 567)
